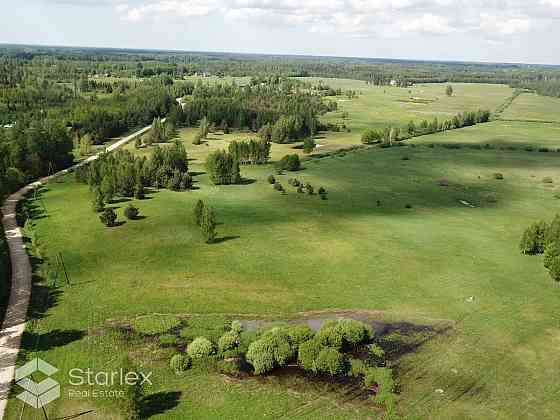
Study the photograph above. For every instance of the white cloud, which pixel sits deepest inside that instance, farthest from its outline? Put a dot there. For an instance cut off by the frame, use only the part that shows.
(487, 19)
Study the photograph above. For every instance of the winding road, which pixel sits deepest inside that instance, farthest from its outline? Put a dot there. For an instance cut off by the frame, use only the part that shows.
(16, 313)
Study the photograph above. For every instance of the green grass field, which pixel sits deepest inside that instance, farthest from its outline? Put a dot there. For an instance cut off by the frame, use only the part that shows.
(532, 107)
(501, 134)
(390, 241)
(278, 255)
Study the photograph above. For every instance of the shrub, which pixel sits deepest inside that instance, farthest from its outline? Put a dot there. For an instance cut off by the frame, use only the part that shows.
(533, 239)
(547, 180)
(271, 350)
(228, 343)
(200, 348)
(108, 217)
(229, 367)
(357, 368)
(498, 175)
(308, 352)
(290, 163)
(261, 356)
(330, 361)
(376, 355)
(300, 190)
(343, 333)
(236, 326)
(299, 334)
(321, 191)
(179, 363)
(198, 212)
(408, 206)
(554, 268)
(382, 378)
(309, 188)
(271, 179)
(552, 233)
(551, 252)
(308, 145)
(131, 212)
(278, 187)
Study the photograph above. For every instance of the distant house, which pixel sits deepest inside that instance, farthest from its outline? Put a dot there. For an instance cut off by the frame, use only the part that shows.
(393, 82)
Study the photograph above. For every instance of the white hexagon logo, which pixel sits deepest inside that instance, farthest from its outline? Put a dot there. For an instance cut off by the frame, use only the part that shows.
(37, 395)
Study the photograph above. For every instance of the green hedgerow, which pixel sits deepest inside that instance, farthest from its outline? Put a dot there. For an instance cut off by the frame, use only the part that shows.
(200, 348)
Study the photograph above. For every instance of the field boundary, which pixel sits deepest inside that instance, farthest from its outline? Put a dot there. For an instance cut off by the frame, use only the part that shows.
(15, 317)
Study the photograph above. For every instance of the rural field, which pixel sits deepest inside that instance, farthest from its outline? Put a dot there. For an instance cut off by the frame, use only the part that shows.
(438, 262)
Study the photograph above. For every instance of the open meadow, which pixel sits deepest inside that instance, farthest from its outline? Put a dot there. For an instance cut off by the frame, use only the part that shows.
(425, 235)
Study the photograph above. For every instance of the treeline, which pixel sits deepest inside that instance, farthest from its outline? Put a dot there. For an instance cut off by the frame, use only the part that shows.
(542, 87)
(284, 110)
(29, 152)
(250, 151)
(388, 135)
(61, 64)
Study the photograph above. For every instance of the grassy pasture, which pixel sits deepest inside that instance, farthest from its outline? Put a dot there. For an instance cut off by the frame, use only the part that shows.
(533, 107)
(281, 254)
(505, 134)
(382, 106)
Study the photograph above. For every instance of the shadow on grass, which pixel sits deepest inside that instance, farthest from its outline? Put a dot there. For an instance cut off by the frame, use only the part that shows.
(195, 173)
(225, 239)
(158, 403)
(46, 341)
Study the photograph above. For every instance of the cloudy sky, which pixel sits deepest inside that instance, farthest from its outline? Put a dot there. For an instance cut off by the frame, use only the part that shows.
(478, 30)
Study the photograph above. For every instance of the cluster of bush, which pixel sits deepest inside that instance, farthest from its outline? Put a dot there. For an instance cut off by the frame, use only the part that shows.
(109, 218)
(205, 218)
(223, 168)
(328, 352)
(544, 238)
(301, 188)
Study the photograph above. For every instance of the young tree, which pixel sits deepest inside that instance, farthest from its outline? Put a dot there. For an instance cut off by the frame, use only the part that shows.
(209, 225)
(139, 192)
(131, 212)
(308, 145)
(108, 217)
(449, 90)
(199, 212)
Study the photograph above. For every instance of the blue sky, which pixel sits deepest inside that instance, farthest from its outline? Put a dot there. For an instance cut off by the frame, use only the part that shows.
(477, 30)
